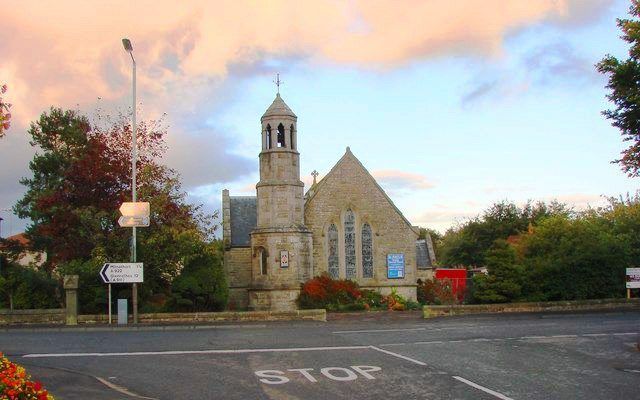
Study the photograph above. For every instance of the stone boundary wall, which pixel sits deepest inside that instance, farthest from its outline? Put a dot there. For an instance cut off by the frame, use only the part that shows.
(57, 316)
(22, 317)
(431, 311)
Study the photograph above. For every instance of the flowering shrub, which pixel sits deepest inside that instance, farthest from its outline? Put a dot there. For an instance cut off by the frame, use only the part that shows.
(15, 384)
(332, 294)
(436, 291)
(345, 295)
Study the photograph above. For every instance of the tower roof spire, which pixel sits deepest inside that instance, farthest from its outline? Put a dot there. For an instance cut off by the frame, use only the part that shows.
(278, 82)
(278, 108)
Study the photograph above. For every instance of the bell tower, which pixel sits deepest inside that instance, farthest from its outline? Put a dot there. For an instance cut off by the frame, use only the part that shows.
(281, 244)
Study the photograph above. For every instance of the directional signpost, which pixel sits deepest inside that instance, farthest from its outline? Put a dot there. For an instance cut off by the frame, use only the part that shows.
(134, 215)
(121, 273)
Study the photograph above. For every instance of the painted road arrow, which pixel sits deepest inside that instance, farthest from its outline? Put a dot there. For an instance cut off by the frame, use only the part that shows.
(122, 273)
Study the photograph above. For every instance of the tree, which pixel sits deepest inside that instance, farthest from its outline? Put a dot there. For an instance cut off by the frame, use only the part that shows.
(81, 175)
(624, 84)
(5, 115)
(503, 283)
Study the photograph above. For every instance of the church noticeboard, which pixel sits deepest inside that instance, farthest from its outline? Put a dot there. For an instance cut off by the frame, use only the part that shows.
(284, 258)
(395, 266)
(633, 278)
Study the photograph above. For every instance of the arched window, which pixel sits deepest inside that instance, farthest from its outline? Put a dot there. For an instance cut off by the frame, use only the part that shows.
(281, 136)
(263, 258)
(350, 244)
(333, 261)
(367, 252)
(268, 136)
(291, 142)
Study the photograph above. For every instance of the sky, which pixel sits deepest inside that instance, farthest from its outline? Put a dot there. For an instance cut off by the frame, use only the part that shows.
(451, 105)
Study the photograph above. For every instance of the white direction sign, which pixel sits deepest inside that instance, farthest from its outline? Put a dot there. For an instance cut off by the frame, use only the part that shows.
(122, 273)
(134, 214)
(130, 222)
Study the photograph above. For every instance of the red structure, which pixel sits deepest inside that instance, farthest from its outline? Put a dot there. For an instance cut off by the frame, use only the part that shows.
(457, 277)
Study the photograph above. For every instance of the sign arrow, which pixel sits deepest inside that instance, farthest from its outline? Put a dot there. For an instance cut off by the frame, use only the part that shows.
(122, 273)
(103, 274)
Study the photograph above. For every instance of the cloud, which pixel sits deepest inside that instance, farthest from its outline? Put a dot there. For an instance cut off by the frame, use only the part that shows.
(399, 180)
(192, 56)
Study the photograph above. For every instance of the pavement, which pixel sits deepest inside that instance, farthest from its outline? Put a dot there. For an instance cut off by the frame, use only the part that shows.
(352, 356)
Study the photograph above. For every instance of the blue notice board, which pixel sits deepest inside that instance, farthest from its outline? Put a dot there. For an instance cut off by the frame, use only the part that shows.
(395, 266)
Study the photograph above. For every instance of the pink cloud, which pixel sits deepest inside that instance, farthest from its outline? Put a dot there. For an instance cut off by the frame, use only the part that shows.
(69, 52)
(394, 179)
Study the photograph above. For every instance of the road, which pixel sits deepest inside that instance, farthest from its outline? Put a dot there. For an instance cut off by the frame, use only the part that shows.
(365, 356)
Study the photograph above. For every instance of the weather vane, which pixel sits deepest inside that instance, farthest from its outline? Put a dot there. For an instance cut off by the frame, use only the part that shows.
(278, 82)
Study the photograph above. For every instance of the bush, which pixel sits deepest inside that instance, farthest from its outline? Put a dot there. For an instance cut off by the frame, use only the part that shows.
(436, 291)
(345, 295)
(201, 286)
(325, 292)
(27, 288)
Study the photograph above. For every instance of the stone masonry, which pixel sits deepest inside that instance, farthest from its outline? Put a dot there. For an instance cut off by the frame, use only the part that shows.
(281, 221)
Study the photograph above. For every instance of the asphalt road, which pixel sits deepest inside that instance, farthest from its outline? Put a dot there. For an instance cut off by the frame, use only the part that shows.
(366, 356)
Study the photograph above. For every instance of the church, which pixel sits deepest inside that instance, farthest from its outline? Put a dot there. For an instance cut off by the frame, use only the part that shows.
(345, 226)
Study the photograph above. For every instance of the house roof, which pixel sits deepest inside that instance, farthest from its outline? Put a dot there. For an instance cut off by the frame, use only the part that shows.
(349, 155)
(279, 108)
(243, 218)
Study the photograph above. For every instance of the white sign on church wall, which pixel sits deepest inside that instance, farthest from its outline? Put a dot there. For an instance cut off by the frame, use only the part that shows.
(284, 258)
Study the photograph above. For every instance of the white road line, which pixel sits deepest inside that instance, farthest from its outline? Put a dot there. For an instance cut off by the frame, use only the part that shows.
(391, 353)
(121, 389)
(625, 334)
(381, 330)
(484, 389)
(181, 352)
(563, 336)
(595, 334)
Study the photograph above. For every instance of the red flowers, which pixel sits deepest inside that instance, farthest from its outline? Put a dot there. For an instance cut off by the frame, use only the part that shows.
(16, 384)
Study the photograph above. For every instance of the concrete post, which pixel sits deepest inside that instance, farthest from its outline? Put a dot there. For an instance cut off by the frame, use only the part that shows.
(70, 283)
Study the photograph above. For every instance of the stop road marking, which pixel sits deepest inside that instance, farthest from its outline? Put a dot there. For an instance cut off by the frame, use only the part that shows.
(340, 374)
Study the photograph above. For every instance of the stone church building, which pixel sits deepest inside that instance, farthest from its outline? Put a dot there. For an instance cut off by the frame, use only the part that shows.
(344, 225)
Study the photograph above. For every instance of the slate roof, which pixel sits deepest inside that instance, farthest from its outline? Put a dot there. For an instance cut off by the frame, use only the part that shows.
(244, 217)
(279, 108)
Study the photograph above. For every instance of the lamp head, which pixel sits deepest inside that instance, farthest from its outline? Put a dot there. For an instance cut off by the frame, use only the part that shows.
(127, 45)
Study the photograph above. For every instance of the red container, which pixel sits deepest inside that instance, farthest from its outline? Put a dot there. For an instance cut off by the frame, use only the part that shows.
(457, 277)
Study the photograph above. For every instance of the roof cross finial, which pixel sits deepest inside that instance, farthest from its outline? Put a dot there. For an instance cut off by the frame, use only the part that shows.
(315, 175)
(278, 82)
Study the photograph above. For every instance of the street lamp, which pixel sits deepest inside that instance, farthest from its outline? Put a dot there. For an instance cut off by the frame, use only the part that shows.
(134, 153)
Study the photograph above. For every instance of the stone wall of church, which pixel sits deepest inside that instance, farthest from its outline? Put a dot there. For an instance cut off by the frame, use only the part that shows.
(350, 186)
(237, 267)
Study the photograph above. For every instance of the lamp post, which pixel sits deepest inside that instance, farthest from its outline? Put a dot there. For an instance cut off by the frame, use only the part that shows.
(134, 153)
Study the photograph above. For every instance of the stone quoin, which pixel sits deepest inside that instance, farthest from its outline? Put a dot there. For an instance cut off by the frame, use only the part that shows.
(345, 225)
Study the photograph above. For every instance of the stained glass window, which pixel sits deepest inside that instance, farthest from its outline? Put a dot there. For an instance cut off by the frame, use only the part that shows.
(333, 262)
(350, 244)
(367, 252)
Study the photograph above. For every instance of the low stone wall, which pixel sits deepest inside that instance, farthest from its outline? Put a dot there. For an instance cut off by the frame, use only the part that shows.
(26, 317)
(577, 305)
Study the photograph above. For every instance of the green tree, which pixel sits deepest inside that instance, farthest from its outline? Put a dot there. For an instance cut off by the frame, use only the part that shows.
(201, 286)
(624, 86)
(81, 175)
(574, 258)
(505, 276)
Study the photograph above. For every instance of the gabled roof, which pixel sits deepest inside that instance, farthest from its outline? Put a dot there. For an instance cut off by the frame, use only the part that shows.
(243, 218)
(313, 190)
(279, 108)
